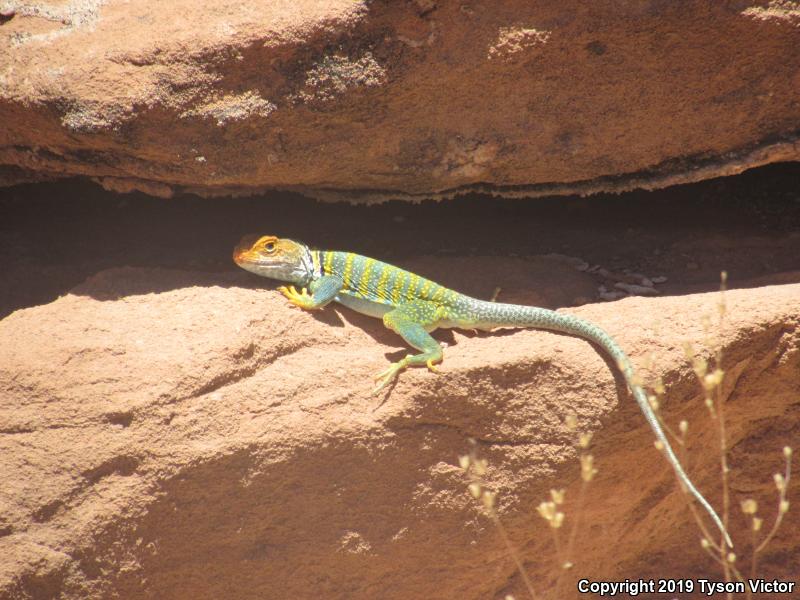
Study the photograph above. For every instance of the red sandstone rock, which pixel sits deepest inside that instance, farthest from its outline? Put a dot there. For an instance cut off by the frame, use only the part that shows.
(176, 435)
(369, 100)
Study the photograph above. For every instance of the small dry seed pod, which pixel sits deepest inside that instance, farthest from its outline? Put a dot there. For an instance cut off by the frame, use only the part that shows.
(475, 490)
(749, 506)
(547, 510)
(463, 462)
(587, 467)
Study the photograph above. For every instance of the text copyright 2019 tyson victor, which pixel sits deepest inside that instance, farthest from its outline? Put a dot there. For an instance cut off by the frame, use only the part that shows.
(708, 587)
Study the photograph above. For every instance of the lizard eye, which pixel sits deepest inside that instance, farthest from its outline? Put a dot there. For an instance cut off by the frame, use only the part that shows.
(269, 247)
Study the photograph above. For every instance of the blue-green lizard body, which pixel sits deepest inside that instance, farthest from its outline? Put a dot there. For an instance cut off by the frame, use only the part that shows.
(413, 306)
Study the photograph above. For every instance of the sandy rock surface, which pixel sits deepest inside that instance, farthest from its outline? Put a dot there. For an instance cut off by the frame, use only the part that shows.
(368, 100)
(167, 434)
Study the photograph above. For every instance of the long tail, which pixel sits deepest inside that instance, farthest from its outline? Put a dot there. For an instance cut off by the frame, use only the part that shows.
(514, 315)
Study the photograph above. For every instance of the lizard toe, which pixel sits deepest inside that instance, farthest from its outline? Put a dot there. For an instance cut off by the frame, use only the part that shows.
(432, 368)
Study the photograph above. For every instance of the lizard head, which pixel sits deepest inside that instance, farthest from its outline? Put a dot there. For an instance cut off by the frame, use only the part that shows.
(276, 258)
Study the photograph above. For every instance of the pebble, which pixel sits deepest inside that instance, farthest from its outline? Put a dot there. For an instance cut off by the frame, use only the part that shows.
(639, 290)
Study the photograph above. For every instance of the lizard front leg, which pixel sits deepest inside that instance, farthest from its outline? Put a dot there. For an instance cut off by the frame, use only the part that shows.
(412, 322)
(323, 291)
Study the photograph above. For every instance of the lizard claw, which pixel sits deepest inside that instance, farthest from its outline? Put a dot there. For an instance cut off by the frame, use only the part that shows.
(301, 299)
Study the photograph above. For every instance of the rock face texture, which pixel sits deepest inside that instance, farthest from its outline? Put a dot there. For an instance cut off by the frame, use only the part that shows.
(369, 100)
(166, 434)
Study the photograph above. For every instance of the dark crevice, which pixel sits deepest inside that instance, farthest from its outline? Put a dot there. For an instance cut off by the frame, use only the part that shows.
(119, 465)
(123, 419)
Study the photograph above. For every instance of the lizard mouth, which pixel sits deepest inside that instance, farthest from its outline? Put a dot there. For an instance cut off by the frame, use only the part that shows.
(240, 255)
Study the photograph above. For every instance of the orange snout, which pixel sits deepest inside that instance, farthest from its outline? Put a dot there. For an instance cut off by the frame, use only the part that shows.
(244, 248)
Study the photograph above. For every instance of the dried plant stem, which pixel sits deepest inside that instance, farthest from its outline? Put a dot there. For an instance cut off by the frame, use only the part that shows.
(573, 534)
(475, 470)
(781, 512)
(713, 556)
(682, 449)
(557, 544)
(697, 518)
(723, 462)
(719, 402)
(560, 557)
(678, 439)
(706, 534)
(513, 552)
(753, 556)
(739, 577)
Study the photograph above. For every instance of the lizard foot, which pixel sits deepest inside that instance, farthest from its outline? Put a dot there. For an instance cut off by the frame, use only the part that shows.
(301, 299)
(389, 375)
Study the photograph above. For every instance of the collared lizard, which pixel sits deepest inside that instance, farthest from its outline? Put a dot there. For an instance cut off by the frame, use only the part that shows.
(414, 306)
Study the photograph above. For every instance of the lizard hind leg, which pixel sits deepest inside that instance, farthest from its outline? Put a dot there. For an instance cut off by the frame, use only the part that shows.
(412, 322)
